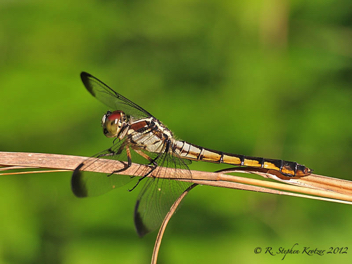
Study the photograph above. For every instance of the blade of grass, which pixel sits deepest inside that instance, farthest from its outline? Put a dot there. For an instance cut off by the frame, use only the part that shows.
(335, 190)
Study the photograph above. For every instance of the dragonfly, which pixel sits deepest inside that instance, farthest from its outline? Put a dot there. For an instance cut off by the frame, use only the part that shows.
(138, 134)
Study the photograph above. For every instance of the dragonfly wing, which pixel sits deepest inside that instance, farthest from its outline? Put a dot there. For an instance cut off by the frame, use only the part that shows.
(158, 195)
(85, 183)
(109, 97)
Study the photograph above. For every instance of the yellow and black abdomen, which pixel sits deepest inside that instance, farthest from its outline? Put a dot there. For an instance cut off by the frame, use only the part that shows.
(194, 152)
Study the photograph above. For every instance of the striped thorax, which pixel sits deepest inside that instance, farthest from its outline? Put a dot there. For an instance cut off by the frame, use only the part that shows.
(148, 133)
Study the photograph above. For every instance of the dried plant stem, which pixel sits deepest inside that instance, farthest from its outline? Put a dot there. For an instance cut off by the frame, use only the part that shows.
(313, 186)
(166, 221)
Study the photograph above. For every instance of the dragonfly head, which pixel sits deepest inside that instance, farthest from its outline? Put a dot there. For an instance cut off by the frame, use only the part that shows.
(113, 122)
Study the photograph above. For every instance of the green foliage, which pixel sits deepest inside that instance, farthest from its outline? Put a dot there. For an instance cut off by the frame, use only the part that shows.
(269, 79)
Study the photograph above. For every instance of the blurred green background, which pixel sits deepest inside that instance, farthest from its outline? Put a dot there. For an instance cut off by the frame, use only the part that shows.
(263, 78)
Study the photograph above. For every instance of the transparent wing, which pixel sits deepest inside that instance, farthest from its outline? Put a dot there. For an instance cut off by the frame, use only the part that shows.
(109, 97)
(158, 195)
(155, 198)
(85, 183)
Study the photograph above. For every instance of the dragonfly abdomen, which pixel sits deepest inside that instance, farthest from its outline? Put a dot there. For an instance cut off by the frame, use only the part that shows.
(194, 152)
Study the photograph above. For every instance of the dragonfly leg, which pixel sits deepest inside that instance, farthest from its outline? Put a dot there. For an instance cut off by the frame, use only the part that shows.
(152, 161)
(129, 162)
(140, 179)
(109, 152)
(141, 153)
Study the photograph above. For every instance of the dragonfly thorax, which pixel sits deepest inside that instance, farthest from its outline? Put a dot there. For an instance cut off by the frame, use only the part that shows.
(113, 123)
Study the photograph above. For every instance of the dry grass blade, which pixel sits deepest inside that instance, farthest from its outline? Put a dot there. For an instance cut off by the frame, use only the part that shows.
(312, 186)
(166, 221)
(26, 170)
(332, 189)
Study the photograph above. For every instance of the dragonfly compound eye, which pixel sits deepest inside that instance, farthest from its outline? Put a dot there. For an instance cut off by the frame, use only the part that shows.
(111, 123)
